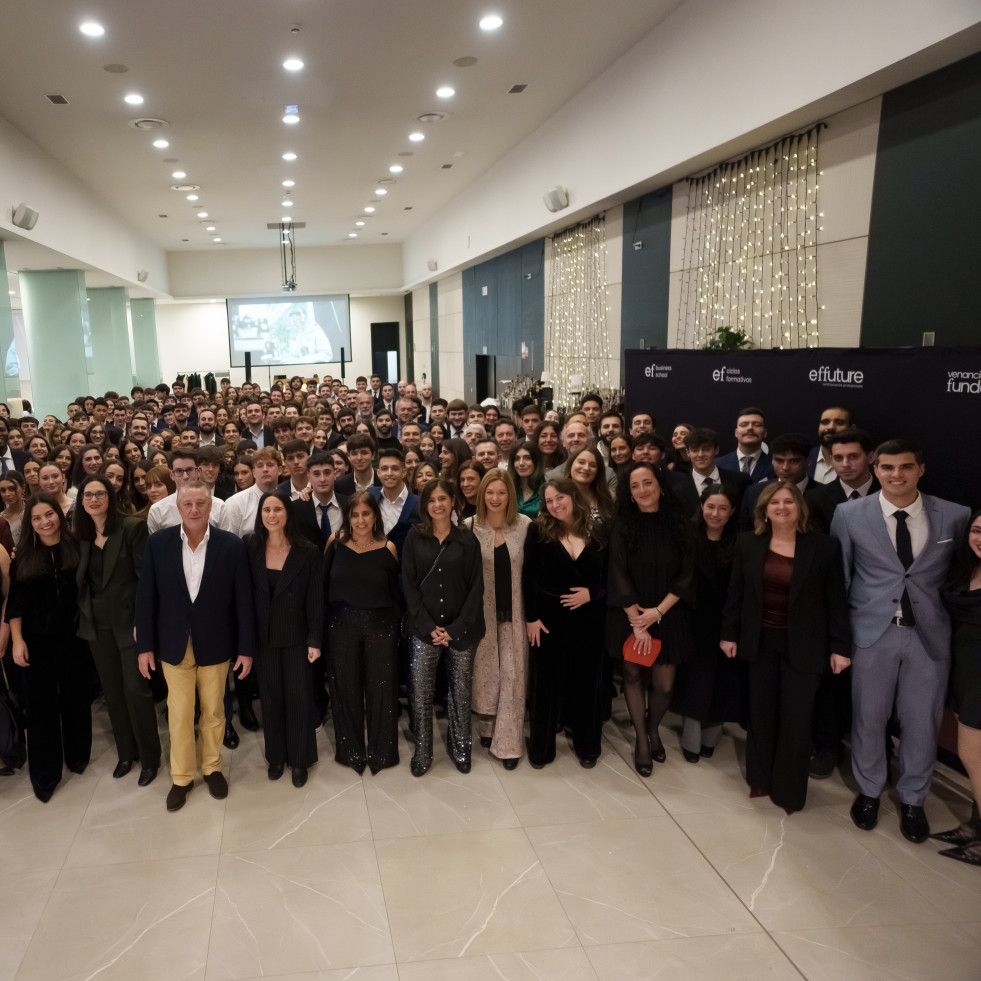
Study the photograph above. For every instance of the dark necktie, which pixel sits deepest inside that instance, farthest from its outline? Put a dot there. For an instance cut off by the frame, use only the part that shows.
(747, 463)
(324, 522)
(854, 496)
(3, 464)
(904, 549)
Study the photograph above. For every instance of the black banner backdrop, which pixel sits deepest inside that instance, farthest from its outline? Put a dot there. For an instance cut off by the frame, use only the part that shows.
(930, 395)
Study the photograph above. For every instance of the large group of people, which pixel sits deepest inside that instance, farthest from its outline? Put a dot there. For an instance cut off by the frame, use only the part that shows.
(350, 555)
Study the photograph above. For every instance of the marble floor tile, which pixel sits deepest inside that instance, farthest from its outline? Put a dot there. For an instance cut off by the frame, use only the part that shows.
(145, 920)
(805, 871)
(483, 892)
(973, 930)
(565, 964)
(24, 898)
(912, 952)
(443, 801)
(291, 910)
(741, 957)
(274, 814)
(638, 879)
(378, 972)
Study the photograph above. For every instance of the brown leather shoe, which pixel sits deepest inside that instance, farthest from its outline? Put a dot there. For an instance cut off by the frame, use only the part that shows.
(217, 784)
(177, 796)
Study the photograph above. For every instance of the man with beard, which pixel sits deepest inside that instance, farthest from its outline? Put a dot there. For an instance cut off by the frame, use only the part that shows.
(206, 429)
(347, 421)
(383, 427)
(820, 466)
(610, 425)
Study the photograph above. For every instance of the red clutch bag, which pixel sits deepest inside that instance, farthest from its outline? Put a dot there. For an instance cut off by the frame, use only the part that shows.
(632, 653)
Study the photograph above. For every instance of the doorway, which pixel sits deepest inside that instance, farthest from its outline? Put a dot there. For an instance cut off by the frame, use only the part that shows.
(385, 351)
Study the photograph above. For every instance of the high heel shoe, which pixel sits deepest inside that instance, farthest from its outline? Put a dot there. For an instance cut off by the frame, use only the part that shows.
(657, 751)
(644, 769)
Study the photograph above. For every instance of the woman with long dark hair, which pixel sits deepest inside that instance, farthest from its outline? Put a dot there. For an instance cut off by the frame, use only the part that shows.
(110, 552)
(528, 473)
(87, 463)
(651, 571)
(469, 474)
(564, 585)
(452, 453)
(56, 665)
(548, 439)
(13, 490)
(361, 580)
(588, 471)
(287, 590)
(962, 597)
(443, 586)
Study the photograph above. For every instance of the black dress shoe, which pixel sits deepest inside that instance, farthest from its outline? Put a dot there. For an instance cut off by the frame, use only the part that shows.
(177, 796)
(77, 767)
(822, 765)
(122, 768)
(147, 775)
(485, 741)
(247, 717)
(865, 812)
(588, 762)
(419, 767)
(536, 766)
(913, 823)
(511, 764)
(689, 756)
(231, 737)
(707, 752)
(43, 795)
(463, 766)
(217, 784)
(275, 770)
(299, 776)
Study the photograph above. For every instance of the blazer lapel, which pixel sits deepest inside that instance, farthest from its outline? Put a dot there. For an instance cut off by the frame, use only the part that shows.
(109, 556)
(754, 571)
(178, 562)
(291, 568)
(877, 524)
(803, 555)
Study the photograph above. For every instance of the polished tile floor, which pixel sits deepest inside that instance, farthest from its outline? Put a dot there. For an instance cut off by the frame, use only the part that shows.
(561, 873)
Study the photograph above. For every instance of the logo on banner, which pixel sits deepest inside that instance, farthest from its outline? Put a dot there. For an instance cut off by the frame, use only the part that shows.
(731, 375)
(657, 370)
(829, 377)
(966, 382)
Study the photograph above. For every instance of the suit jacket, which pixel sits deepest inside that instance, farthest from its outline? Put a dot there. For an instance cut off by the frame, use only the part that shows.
(220, 623)
(308, 521)
(345, 485)
(267, 436)
(408, 517)
(293, 615)
(748, 505)
(823, 499)
(875, 576)
(122, 556)
(683, 487)
(763, 470)
(20, 457)
(817, 616)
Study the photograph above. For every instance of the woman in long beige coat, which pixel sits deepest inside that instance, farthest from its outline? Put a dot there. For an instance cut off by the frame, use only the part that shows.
(501, 665)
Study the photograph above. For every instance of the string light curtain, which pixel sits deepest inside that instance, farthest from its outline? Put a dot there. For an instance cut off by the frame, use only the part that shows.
(577, 343)
(750, 253)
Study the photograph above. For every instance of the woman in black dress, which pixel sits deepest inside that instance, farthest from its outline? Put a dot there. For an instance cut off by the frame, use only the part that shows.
(651, 581)
(962, 597)
(710, 688)
(288, 594)
(564, 584)
(361, 579)
(443, 583)
(57, 666)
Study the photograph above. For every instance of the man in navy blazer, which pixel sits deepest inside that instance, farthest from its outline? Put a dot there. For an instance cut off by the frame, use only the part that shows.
(703, 449)
(194, 613)
(749, 457)
(897, 547)
(399, 506)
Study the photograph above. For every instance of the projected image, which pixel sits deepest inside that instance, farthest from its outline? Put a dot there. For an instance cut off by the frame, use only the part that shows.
(294, 330)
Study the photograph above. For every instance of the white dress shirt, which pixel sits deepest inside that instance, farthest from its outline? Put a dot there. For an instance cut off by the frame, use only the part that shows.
(701, 481)
(240, 511)
(391, 511)
(335, 516)
(824, 473)
(916, 524)
(164, 514)
(193, 559)
(862, 490)
(257, 438)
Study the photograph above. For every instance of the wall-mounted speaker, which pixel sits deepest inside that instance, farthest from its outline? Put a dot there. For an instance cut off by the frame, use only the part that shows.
(142, 275)
(24, 216)
(556, 198)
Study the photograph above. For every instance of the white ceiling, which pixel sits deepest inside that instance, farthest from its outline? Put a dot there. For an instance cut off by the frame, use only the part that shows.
(213, 70)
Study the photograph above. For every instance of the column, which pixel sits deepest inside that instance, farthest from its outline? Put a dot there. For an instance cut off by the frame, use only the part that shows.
(55, 321)
(112, 359)
(143, 315)
(8, 386)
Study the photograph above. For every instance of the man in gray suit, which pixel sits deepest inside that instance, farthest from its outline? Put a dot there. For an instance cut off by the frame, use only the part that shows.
(897, 546)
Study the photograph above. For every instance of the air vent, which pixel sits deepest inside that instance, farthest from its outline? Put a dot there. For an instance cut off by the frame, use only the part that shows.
(57, 100)
(517, 89)
(445, 166)
(148, 122)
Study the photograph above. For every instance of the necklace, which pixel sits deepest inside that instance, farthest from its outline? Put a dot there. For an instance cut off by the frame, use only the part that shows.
(363, 547)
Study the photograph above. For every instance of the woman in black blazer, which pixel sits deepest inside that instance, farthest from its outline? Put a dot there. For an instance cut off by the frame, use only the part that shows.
(287, 589)
(787, 615)
(110, 551)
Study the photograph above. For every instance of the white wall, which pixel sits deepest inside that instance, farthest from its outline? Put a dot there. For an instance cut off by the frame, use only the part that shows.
(421, 335)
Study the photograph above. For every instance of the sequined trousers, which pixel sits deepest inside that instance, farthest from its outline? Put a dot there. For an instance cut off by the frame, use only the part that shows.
(459, 671)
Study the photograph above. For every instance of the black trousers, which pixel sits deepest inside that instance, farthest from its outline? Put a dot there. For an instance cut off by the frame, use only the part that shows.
(832, 711)
(362, 673)
(285, 679)
(128, 699)
(58, 694)
(781, 703)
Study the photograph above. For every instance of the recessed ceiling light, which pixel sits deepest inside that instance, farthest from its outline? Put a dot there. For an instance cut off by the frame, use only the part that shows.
(202, 214)
(192, 197)
(291, 118)
(217, 238)
(369, 210)
(91, 29)
(292, 64)
(287, 204)
(289, 156)
(133, 99)
(209, 228)
(491, 22)
(289, 183)
(416, 137)
(445, 92)
(352, 234)
(360, 224)
(178, 175)
(286, 219)
(396, 169)
(381, 191)
(161, 144)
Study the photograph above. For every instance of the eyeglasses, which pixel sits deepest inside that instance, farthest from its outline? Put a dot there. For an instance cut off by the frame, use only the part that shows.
(183, 471)
(94, 495)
